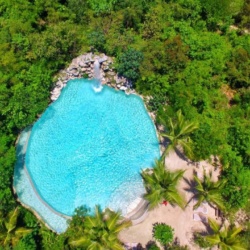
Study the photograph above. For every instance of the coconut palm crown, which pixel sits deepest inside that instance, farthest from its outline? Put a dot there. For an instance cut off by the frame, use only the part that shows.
(100, 231)
(161, 184)
(177, 132)
(10, 233)
(226, 238)
(209, 191)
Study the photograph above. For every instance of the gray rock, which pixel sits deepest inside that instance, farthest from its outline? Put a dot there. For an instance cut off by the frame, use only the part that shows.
(75, 73)
(106, 68)
(123, 88)
(72, 67)
(103, 59)
(82, 64)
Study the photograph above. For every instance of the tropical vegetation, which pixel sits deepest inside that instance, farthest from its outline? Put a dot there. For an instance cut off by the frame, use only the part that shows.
(161, 185)
(100, 231)
(191, 55)
(163, 233)
(209, 191)
(225, 237)
(10, 232)
(177, 132)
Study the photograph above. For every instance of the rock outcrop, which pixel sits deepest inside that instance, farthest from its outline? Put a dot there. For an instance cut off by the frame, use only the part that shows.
(82, 67)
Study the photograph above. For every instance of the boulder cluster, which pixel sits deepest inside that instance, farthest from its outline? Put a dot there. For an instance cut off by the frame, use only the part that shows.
(83, 67)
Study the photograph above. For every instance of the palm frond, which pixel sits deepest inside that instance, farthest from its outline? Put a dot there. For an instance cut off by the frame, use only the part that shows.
(234, 232)
(213, 239)
(79, 242)
(117, 246)
(217, 200)
(214, 225)
(22, 231)
(175, 198)
(122, 226)
(112, 220)
(187, 128)
(199, 202)
(11, 220)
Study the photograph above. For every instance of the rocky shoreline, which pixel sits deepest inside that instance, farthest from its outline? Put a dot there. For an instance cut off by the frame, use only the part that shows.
(83, 67)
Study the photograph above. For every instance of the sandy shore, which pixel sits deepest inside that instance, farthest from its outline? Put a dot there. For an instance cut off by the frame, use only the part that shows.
(181, 220)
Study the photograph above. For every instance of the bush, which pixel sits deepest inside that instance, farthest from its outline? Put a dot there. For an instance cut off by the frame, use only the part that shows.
(97, 40)
(151, 245)
(200, 241)
(129, 63)
(163, 233)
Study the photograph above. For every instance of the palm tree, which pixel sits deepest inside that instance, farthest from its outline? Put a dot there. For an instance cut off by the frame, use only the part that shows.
(226, 238)
(101, 231)
(10, 234)
(161, 185)
(209, 191)
(177, 133)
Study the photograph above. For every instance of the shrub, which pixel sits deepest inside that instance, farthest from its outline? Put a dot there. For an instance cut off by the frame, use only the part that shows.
(163, 233)
(151, 245)
(128, 64)
(200, 241)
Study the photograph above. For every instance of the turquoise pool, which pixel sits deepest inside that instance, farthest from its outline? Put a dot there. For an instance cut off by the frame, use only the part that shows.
(89, 147)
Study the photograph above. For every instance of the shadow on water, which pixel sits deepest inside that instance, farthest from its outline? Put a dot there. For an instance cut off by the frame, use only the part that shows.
(21, 175)
(49, 114)
(20, 159)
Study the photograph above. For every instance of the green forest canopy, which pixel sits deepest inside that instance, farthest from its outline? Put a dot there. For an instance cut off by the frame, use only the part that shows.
(187, 56)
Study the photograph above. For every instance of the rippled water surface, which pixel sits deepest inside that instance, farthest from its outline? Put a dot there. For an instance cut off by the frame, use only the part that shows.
(89, 147)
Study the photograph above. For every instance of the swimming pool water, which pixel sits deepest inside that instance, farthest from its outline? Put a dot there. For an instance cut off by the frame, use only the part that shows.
(88, 148)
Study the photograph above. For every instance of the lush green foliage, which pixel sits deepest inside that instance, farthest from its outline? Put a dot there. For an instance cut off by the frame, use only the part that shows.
(177, 133)
(181, 55)
(153, 246)
(161, 184)
(227, 238)
(163, 233)
(100, 231)
(209, 191)
(9, 232)
(201, 241)
(129, 63)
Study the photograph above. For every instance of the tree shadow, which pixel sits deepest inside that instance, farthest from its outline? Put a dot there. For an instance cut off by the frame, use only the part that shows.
(181, 155)
(165, 142)
(150, 244)
(190, 189)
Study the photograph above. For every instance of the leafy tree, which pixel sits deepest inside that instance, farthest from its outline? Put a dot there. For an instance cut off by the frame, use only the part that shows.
(101, 7)
(97, 40)
(128, 64)
(221, 10)
(239, 68)
(7, 160)
(209, 191)
(156, 87)
(26, 243)
(243, 18)
(161, 184)
(49, 240)
(10, 233)
(80, 9)
(236, 190)
(177, 132)
(101, 230)
(163, 233)
(226, 238)
(175, 54)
